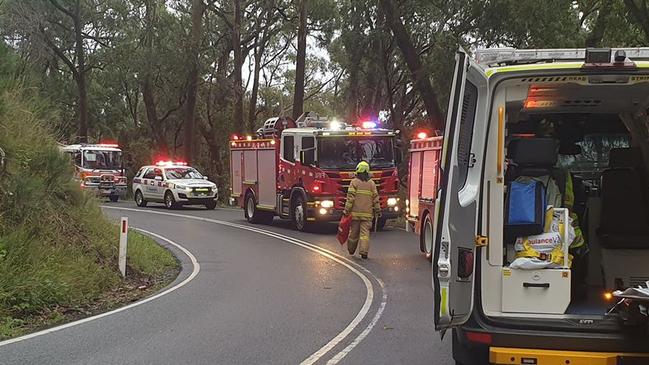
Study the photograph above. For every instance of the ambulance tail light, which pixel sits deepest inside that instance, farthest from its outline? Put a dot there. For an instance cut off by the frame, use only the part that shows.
(479, 337)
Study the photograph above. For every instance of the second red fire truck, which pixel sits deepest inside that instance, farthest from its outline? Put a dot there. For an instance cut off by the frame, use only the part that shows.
(423, 183)
(300, 170)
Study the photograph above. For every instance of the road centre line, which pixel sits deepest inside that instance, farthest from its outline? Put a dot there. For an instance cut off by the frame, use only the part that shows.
(352, 266)
(194, 273)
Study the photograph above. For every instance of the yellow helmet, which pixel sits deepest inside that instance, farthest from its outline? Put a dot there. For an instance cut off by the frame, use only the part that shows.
(362, 167)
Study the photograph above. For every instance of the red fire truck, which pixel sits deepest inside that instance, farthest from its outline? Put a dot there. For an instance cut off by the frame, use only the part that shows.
(423, 182)
(99, 168)
(300, 170)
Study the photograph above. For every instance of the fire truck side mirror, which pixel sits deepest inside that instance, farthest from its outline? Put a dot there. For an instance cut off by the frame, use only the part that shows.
(307, 157)
(398, 155)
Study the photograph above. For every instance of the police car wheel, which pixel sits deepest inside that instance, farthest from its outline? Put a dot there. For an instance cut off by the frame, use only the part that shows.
(139, 199)
(170, 202)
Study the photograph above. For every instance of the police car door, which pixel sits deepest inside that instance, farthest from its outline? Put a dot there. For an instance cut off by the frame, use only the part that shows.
(457, 203)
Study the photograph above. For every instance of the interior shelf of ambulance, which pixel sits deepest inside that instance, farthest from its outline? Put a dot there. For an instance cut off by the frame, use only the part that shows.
(571, 205)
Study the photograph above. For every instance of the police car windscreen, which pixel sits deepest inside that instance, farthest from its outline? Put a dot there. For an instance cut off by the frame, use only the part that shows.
(346, 152)
(182, 173)
(102, 160)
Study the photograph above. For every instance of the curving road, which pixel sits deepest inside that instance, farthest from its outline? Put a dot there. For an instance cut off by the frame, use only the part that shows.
(259, 295)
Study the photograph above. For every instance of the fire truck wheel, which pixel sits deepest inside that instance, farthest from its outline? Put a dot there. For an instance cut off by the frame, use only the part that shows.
(381, 224)
(299, 215)
(252, 214)
(210, 205)
(114, 198)
(170, 202)
(427, 237)
(139, 199)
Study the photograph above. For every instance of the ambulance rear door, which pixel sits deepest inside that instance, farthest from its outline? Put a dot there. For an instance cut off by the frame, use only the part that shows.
(457, 203)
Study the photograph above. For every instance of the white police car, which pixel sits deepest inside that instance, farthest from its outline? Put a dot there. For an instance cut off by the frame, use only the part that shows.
(174, 184)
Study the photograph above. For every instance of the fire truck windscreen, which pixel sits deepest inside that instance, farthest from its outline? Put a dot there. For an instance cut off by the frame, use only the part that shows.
(173, 173)
(345, 153)
(102, 160)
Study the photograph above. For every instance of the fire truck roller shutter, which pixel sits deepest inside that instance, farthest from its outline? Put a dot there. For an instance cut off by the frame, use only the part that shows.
(267, 177)
(249, 166)
(236, 158)
(415, 183)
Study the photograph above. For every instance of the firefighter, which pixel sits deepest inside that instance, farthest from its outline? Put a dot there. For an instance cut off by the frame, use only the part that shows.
(363, 205)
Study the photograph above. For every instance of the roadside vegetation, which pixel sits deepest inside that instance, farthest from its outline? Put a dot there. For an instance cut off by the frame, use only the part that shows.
(58, 254)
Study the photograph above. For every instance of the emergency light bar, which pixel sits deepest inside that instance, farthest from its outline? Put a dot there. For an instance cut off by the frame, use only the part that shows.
(489, 57)
(171, 163)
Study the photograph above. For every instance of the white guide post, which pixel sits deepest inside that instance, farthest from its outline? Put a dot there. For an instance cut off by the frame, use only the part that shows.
(123, 239)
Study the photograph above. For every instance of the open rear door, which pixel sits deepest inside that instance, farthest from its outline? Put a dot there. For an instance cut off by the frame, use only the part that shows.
(457, 203)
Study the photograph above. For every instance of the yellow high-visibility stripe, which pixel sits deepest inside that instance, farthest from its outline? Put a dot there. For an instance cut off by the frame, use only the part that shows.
(362, 215)
(364, 192)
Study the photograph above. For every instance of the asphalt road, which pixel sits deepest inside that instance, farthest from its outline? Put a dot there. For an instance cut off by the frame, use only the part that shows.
(275, 296)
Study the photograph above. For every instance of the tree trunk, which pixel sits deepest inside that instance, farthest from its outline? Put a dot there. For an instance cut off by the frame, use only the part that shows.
(595, 37)
(298, 96)
(198, 8)
(81, 73)
(238, 65)
(640, 14)
(148, 95)
(411, 56)
(252, 110)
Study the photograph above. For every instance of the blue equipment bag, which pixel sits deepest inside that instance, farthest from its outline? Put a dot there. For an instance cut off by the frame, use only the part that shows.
(526, 204)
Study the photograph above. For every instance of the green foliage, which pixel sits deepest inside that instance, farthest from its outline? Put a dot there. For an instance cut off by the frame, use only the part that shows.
(56, 248)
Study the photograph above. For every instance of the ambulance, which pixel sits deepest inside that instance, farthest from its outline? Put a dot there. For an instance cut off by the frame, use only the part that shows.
(574, 121)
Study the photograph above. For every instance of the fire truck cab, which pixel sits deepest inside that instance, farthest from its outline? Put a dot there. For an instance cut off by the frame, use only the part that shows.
(300, 170)
(99, 169)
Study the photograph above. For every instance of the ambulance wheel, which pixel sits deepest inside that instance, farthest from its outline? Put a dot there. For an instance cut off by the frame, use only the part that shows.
(427, 237)
(299, 215)
(170, 202)
(114, 198)
(210, 205)
(139, 199)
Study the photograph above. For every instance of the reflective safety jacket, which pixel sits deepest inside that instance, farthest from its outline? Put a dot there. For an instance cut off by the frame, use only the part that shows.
(362, 200)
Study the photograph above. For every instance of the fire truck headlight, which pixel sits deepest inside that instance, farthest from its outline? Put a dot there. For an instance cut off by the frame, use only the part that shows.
(323, 211)
(392, 202)
(327, 204)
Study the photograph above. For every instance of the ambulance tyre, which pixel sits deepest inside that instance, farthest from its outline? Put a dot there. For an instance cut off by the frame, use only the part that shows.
(139, 199)
(170, 202)
(210, 205)
(299, 215)
(427, 237)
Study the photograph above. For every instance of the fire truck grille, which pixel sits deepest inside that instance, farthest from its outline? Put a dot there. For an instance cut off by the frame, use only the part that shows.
(343, 184)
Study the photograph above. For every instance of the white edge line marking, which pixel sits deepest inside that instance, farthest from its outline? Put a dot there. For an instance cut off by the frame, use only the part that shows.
(362, 313)
(196, 270)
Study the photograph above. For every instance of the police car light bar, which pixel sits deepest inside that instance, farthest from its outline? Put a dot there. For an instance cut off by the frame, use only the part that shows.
(489, 57)
(171, 163)
(368, 125)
